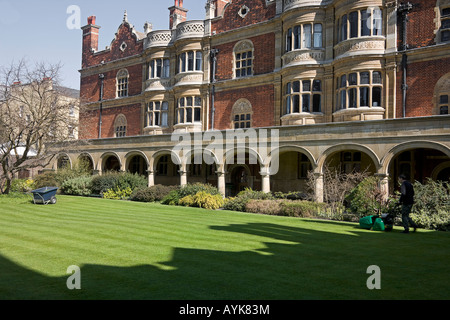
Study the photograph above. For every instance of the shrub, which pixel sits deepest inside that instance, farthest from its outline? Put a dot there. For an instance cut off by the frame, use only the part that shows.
(81, 186)
(47, 179)
(202, 199)
(366, 198)
(303, 209)
(432, 205)
(118, 194)
(194, 188)
(22, 185)
(152, 194)
(174, 196)
(114, 180)
(239, 202)
(271, 207)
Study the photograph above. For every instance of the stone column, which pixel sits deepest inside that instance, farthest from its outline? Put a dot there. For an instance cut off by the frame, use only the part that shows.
(183, 177)
(318, 188)
(221, 182)
(265, 176)
(383, 184)
(151, 178)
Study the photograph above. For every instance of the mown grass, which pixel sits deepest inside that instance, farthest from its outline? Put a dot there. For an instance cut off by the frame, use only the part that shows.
(129, 250)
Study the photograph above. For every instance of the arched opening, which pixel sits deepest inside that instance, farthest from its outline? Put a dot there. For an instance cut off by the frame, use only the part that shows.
(111, 163)
(243, 171)
(292, 175)
(63, 162)
(137, 164)
(166, 171)
(200, 171)
(86, 162)
(350, 161)
(419, 164)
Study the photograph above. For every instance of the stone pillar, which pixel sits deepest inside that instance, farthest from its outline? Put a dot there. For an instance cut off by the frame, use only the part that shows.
(383, 184)
(183, 177)
(265, 177)
(151, 178)
(221, 182)
(318, 187)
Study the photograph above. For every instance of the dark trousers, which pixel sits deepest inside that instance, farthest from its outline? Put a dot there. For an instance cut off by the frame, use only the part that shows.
(406, 219)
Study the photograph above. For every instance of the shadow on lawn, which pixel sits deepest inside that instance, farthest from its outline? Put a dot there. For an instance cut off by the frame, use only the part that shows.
(294, 263)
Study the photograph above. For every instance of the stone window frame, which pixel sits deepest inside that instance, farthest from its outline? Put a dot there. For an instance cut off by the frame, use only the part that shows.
(158, 71)
(188, 105)
(122, 80)
(444, 23)
(120, 126)
(357, 31)
(442, 89)
(303, 90)
(190, 61)
(349, 89)
(243, 47)
(295, 37)
(156, 115)
(242, 114)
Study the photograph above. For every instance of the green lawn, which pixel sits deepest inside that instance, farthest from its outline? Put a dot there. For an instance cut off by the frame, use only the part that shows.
(130, 250)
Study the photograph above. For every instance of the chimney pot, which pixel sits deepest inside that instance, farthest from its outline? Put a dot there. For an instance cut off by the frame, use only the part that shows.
(91, 20)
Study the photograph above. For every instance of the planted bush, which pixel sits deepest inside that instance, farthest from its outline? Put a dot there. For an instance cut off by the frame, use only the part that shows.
(432, 205)
(202, 199)
(174, 196)
(152, 194)
(303, 209)
(114, 180)
(271, 207)
(81, 186)
(47, 179)
(22, 185)
(118, 193)
(239, 202)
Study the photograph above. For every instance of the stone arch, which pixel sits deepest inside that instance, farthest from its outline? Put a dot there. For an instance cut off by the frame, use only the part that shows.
(241, 107)
(155, 157)
(90, 158)
(386, 161)
(62, 160)
(441, 89)
(344, 147)
(114, 166)
(136, 153)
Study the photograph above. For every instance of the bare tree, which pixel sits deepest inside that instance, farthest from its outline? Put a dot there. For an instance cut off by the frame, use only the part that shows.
(37, 118)
(337, 185)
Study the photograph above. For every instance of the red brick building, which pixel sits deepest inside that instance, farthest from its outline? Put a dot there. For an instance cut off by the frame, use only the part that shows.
(354, 83)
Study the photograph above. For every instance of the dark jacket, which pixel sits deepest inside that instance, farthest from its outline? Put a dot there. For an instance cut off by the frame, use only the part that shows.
(407, 193)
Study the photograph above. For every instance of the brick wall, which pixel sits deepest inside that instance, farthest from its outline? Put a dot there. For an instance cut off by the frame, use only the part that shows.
(89, 121)
(421, 25)
(422, 79)
(258, 12)
(264, 56)
(261, 99)
(124, 35)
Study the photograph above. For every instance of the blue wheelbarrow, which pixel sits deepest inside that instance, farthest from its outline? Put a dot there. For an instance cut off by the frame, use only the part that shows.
(44, 195)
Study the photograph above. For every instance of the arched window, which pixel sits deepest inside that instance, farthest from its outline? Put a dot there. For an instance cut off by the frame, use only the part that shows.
(442, 94)
(241, 114)
(243, 59)
(120, 126)
(122, 83)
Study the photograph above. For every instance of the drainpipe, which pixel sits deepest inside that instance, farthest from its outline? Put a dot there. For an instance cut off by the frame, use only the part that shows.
(101, 77)
(404, 9)
(213, 55)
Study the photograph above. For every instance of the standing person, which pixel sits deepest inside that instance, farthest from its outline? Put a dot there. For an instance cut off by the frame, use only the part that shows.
(407, 201)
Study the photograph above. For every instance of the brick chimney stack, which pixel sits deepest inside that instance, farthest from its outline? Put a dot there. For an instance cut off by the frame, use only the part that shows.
(177, 14)
(90, 37)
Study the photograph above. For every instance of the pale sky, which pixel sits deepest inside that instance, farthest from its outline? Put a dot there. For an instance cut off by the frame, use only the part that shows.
(38, 30)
